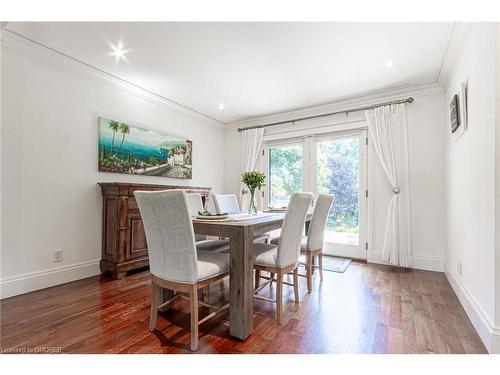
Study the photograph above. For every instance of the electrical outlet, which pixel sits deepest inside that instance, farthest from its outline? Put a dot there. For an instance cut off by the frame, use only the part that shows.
(57, 256)
(459, 268)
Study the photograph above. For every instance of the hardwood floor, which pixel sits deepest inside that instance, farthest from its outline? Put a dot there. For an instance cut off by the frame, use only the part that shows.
(368, 309)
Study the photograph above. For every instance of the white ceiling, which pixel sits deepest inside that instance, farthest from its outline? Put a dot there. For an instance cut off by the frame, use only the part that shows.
(255, 69)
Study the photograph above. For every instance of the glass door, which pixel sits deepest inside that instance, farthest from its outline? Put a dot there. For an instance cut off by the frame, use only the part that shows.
(340, 169)
(333, 164)
(285, 171)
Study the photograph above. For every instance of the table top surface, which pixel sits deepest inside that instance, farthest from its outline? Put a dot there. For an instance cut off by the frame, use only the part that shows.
(242, 222)
(269, 217)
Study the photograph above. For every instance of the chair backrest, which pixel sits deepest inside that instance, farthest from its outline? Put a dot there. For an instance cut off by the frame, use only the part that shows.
(316, 233)
(196, 204)
(226, 203)
(291, 231)
(169, 235)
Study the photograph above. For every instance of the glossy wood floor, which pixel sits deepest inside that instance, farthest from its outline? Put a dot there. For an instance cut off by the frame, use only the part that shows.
(368, 309)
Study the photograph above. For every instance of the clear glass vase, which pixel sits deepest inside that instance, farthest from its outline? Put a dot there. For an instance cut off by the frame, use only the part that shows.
(252, 207)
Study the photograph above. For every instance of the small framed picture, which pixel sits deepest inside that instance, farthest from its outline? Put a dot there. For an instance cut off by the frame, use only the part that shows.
(459, 108)
(454, 114)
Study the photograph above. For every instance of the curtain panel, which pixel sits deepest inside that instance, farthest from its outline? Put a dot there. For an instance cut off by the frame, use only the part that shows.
(251, 144)
(388, 129)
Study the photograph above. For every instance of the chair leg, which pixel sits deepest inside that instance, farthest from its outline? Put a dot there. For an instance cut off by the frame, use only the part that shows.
(194, 317)
(309, 269)
(155, 302)
(257, 278)
(279, 296)
(296, 284)
(320, 264)
(271, 275)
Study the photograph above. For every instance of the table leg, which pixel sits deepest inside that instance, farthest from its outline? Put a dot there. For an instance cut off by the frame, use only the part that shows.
(241, 283)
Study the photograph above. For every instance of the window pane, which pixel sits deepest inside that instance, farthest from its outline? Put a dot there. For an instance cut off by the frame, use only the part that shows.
(285, 173)
(338, 174)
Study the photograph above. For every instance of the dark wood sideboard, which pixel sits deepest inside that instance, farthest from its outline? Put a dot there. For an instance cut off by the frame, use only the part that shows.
(124, 246)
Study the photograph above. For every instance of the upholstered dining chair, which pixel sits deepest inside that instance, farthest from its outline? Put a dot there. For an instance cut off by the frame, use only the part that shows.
(312, 245)
(283, 258)
(202, 243)
(228, 203)
(173, 259)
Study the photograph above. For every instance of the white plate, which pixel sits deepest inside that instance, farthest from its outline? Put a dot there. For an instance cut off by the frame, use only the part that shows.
(212, 217)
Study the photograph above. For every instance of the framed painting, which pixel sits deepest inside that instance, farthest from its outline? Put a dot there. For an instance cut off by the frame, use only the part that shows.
(130, 149)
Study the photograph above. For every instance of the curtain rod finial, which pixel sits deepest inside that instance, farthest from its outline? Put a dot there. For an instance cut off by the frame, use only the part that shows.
(410, 99)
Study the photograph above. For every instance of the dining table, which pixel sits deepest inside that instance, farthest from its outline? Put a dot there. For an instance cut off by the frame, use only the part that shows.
(241, 229)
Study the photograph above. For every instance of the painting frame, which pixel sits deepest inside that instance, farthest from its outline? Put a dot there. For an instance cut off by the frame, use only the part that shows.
(128, 148)
(464, 104)
(462, 109)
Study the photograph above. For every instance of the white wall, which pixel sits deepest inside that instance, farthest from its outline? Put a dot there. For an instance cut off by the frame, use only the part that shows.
(497, 179)
(426, 117)
(50, 198)
(470, 181)
(2, 27)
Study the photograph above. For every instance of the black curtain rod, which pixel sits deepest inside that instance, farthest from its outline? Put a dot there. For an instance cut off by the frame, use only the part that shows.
(399, 101)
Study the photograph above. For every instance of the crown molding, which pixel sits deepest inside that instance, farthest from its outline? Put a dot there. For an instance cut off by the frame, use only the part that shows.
(12, 41)
(387, 95)
(459, 38)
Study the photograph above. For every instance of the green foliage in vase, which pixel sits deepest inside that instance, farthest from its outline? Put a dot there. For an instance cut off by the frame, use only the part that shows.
(253, 179)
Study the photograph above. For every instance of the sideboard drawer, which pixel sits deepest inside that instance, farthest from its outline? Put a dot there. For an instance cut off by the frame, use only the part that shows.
(132, 205)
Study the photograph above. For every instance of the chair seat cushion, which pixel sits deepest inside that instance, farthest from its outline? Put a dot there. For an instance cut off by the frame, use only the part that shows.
(212, 264)
(213, 245)
(265, 254)
(303, 244)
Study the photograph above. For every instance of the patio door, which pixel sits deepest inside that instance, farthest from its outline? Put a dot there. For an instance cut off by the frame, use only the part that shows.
(334, 164)
(340, 169)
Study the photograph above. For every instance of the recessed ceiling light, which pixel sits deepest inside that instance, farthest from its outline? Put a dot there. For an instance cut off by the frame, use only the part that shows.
(118, 51)
(221, 106)
(389, 64)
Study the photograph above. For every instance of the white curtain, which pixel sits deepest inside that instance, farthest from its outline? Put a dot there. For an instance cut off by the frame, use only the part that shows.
(251, 141)
(388, 130)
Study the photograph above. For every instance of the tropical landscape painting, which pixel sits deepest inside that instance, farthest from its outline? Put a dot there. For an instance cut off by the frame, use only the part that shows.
(125, 148)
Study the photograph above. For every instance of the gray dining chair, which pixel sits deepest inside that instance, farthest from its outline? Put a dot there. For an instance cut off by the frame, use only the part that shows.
(228, 203)
(202, 242)
(173, 259)
(312, 244)
(282, 258)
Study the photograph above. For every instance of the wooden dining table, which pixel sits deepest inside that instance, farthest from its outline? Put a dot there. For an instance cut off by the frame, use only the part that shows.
(241, 234)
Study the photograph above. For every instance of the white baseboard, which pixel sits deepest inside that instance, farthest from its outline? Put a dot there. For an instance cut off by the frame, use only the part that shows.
(29, 282)
(419, 262)
(488, 332)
